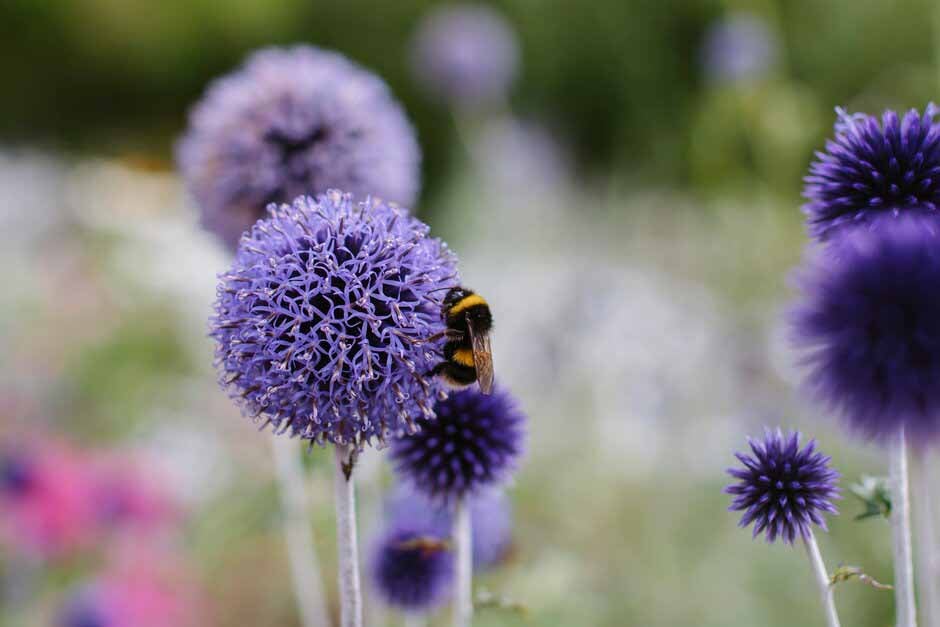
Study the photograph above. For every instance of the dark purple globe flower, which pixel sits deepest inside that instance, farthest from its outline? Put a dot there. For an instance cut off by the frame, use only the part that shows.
(490, 516)
(871, 170)
(474, 444)
(868, 322)
(782, 489)
(412, 567)
(321, 321)
(294, 121)
(466, 54)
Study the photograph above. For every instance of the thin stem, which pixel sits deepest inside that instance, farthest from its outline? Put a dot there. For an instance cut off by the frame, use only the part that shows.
(822, 579)
(901, 531)
(350, 592)
(463, 543)
(298, 528)
(927, 566)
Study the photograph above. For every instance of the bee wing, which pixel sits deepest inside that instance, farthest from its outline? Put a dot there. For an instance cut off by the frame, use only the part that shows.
(482, 359)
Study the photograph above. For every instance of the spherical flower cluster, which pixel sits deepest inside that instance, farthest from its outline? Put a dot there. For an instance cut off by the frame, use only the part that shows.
(294, 121)
(868, 323)
(783, 489)
(741, 47)
(413, 566)
(490, 516)
(871, 171)
(466, 54)
(322, 321)
(474, 443)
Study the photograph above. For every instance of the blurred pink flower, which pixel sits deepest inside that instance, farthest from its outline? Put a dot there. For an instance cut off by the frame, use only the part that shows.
(128, 497)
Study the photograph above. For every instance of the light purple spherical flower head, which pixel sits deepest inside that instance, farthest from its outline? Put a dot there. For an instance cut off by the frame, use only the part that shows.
(782, 489)
(741, 47)
(474, 444)
(868, 323)
(466, 54)
(322, 321)
(490, 516)
(871, 171)
(294, 121)
(412, 566)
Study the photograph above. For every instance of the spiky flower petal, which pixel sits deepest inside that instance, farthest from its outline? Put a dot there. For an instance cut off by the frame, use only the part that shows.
(782, 489)
(321, 323)
(474, 443)
(871, 171)
(294, 121)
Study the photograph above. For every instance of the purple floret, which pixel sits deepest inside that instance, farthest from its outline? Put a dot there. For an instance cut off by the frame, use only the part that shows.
(871, 170)
(322, 321)
(294, 121)
(474, 444)
(782, 489)
(868, 323)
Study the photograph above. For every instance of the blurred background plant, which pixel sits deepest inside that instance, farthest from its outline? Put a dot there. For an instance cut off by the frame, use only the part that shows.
(631, 211)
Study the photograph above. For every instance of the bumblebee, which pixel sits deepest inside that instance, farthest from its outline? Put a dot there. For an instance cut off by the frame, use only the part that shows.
(467, 355)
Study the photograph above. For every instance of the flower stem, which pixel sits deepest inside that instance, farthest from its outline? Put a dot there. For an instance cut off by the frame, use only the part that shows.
(350, 592)
(822, 579)
(901, 531)
(305, 568)
(927, 571)
(463, 543)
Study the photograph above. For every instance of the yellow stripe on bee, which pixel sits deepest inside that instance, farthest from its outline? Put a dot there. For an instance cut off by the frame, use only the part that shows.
(466, 303)
(463, 356)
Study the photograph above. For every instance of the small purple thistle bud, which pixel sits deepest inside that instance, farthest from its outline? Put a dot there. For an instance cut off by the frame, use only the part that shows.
(474, 443)
(413, 567)
(871, 170)
(321, 323)
(868, 323)
(782, 489)
(466, 54)
(294, 121)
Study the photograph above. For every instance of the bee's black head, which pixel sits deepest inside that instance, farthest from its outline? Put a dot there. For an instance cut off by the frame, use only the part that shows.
(455, 295)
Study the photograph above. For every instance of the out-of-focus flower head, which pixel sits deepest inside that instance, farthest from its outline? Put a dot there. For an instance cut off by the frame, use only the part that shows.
(295, 121)
(131, 595)
(412, 566)
(868, 325)
(782, 489)
(466, 54)
(130, 498)
(490, 516)
(738, 48)
(322, 321)
(871, 171)
(46, 504)
(474, 444)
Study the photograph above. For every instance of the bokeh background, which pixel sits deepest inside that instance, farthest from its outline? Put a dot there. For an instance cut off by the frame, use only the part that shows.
(632, 213)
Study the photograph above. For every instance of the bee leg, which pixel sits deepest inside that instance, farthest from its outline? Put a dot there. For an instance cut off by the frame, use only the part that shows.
(450, 334)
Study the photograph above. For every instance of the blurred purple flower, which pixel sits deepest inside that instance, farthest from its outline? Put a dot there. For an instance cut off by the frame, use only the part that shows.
(740, 47)
(320, 321)
(466, 54)
(412, 567)
(782, 489)
(868, 322)
(294, 121)
(474, 444)
(870, 170)
(490, 515)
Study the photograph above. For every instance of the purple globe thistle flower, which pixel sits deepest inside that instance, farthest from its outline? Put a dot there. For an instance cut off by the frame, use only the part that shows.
(871, 170)
(869, 324)
(783, 489)
(474, 443)
(322, 321)
(490, 516)
(294, 121)
(412, 567)
(741, 47)
(466, 54)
